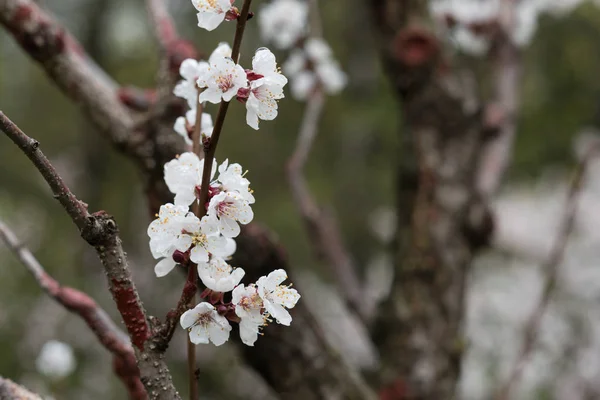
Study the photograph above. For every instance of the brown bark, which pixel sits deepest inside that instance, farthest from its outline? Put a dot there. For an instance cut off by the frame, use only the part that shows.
(442, 219)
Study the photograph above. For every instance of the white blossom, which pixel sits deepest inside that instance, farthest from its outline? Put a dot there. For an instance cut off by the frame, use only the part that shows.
(195, 73)
(56, 360)
(283, 22)
(190, 70)
(223, 80)
(314, 66)
(205, 324)
(185, 126)
(219, 276)
(205, 243)
(211, 13)
(231, 178)
(167, 235)
(225, 210)
(248, 306)
(266, 90)
(276, 297)
(183, 177)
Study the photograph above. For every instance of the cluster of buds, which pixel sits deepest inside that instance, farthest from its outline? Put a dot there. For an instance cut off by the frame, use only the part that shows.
(206, 240)
(311, 65)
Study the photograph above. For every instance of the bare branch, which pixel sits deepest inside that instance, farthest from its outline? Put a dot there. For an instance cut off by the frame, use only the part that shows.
(551, 268)
(111, 337)
(101, 232)
(502, 115)
(162, 23)
(65, 61)
(322, 230)
(11, 391)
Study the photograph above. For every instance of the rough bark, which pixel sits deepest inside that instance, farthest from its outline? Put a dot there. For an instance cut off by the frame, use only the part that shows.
(419, 328)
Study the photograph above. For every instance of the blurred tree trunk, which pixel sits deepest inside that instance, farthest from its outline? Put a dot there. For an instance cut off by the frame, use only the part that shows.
(442, 220)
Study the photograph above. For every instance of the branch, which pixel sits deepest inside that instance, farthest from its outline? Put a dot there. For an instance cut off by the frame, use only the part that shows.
(501, 116)
(162, 24)
(322, 230)
(101, 232)
(551, 268)
(65, 61)
(111, 337)
(211, 147)
(11, 391)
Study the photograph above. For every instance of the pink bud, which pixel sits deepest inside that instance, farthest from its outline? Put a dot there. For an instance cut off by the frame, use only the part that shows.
(252, 76)
(180, 257)
(243, 94)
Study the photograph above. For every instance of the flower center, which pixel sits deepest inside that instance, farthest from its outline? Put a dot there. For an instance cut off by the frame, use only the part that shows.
(225, 82)
(227, 209)
(199, 239)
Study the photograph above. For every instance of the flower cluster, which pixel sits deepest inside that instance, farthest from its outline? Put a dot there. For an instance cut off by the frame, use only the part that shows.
(178, 236)
(204, 239)
(221, 79)
(311, 64)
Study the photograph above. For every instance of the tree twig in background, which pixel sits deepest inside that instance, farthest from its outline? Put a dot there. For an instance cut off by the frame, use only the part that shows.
(322, 229)
(64, 60)
(101, 232)
(162, 23)
(111, 337)
(11, 391)
(501, 117)
(550, 268)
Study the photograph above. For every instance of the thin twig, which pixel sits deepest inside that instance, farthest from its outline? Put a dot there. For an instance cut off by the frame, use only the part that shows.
(209, 154)
(211, 147)
(506, 59)
(101, 232)
(76, 209)
(322, 229)
(111, 337)
(64, 60)
(162, 23)
(11, 391)
(550, 267)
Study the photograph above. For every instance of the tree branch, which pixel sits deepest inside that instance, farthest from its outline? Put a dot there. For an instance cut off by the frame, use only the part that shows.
(501, 116)
(551, 268)
(11, 391)
(111, 337)
(65, 61)
(101, 232)
(162, 24)
(321, 228)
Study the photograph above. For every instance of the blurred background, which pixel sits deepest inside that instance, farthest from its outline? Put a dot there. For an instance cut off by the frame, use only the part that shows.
(351, 171)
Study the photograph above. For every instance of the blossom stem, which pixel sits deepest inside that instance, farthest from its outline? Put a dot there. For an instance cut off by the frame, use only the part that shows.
(211, 147)
(209, 153)
(197, 147)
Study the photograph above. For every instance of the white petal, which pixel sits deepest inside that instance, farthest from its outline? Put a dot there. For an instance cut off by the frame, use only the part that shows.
(251, 118)
(188, 318)
(229, 227)
(219, 330)
(211, 95)
(199, 255)
(164, 266)
(210, 20)
(248, 332)
(281, 315)
(189, 69)
(199, 335)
